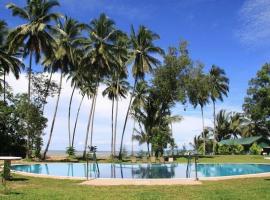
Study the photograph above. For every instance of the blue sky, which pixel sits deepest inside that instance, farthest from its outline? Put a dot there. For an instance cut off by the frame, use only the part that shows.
(234, 35)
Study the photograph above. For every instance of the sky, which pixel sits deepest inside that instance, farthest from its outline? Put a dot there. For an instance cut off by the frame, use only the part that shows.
(233, 34)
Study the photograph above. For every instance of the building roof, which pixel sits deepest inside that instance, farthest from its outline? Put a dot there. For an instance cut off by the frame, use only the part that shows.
(242, 141)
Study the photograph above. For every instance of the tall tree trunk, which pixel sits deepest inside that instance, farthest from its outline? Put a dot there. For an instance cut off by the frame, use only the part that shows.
(88, 128)
(92, 122)
(4, 86)
(47, 91)
(214, 129)
(112, 154)
(126, 118)
(76, 121)
(132, 141)
(116, 117)
(204, 139)
(29, 100)
(69, 109)
(115, 126)
(54, 116)
(148, 149)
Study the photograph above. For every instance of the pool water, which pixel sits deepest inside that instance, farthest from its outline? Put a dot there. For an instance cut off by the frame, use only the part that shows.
(111, 170)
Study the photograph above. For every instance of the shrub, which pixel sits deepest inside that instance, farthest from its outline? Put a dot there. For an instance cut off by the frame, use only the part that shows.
(237, 149)
(230, 149)
(224, 149)
(255, 149)
(70, 151)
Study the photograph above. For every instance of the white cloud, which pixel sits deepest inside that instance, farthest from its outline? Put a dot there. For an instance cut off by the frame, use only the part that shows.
(254, 19)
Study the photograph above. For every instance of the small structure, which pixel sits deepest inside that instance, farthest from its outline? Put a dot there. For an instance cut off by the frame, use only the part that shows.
(7, 163)
(248, 142)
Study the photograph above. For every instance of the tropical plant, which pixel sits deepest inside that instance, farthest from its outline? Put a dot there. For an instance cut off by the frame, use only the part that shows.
(142, 50)
(34, 36)
(255, 149)
(8, 61)
(198, 94)
(61, 60)
(219, 87)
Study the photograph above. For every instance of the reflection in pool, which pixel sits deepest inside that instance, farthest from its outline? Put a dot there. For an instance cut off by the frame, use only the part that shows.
(112, 170)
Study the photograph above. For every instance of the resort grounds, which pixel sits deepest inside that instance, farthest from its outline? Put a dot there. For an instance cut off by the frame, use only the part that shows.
(25, 187)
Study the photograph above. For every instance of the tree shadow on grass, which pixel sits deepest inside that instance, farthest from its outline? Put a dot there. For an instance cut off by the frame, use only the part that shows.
(18, 179)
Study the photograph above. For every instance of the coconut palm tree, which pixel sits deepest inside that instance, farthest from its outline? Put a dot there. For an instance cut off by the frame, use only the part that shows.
(61, 60)
(74, 29)
(219, 87)
(34, 35)
(139, 100)
(198, 94)
(99, 51)
(8, 61)
(115, 88)
(142, 50)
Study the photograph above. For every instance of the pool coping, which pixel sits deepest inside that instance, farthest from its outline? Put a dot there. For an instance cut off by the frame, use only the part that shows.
(138, 181)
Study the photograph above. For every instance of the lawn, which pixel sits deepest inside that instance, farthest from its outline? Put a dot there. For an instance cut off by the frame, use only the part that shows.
(41, 188)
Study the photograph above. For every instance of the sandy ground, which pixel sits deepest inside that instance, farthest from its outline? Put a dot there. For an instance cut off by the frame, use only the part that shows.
(111, 182)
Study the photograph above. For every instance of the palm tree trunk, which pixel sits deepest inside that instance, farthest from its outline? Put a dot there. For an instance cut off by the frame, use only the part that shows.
(4, 86)
(47, 91)
(76, 121)
(88, 128)
(115, 125)
(29, 99)
(92, 122)
(54, 116)
(125, 123)
(148, 149)
(132, 142)
(69, 109)
(214, 129)
(112, 155)
(204, 139)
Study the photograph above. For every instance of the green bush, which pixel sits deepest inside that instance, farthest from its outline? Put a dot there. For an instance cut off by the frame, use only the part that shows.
(255, 149)
(224, 149)
(237, 149)
(230, 149)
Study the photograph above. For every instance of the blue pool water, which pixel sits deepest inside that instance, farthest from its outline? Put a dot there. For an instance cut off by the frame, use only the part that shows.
(109, 170)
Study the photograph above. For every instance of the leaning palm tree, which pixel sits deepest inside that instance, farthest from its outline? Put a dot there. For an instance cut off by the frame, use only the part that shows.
(34, 35)
(8, 61)
(219, 87)
(61, 60)
(142, 50)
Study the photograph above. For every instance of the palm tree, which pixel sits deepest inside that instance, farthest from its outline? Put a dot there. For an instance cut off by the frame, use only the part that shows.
(73, 29)
(8, 62)
(219, 87)
(34, 35)
(142, 49)
(99, 48)
(61, 60)
(115, 88)
(198, 94)
(139, 100)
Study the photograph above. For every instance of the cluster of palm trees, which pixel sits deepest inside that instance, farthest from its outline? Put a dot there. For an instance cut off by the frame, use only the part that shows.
(203, 88)
(86, 54)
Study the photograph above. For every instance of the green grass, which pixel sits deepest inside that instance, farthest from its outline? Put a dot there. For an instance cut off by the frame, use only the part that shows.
(24, 188)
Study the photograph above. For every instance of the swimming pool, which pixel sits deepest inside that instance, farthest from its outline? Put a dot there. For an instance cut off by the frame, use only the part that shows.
(142, 171)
